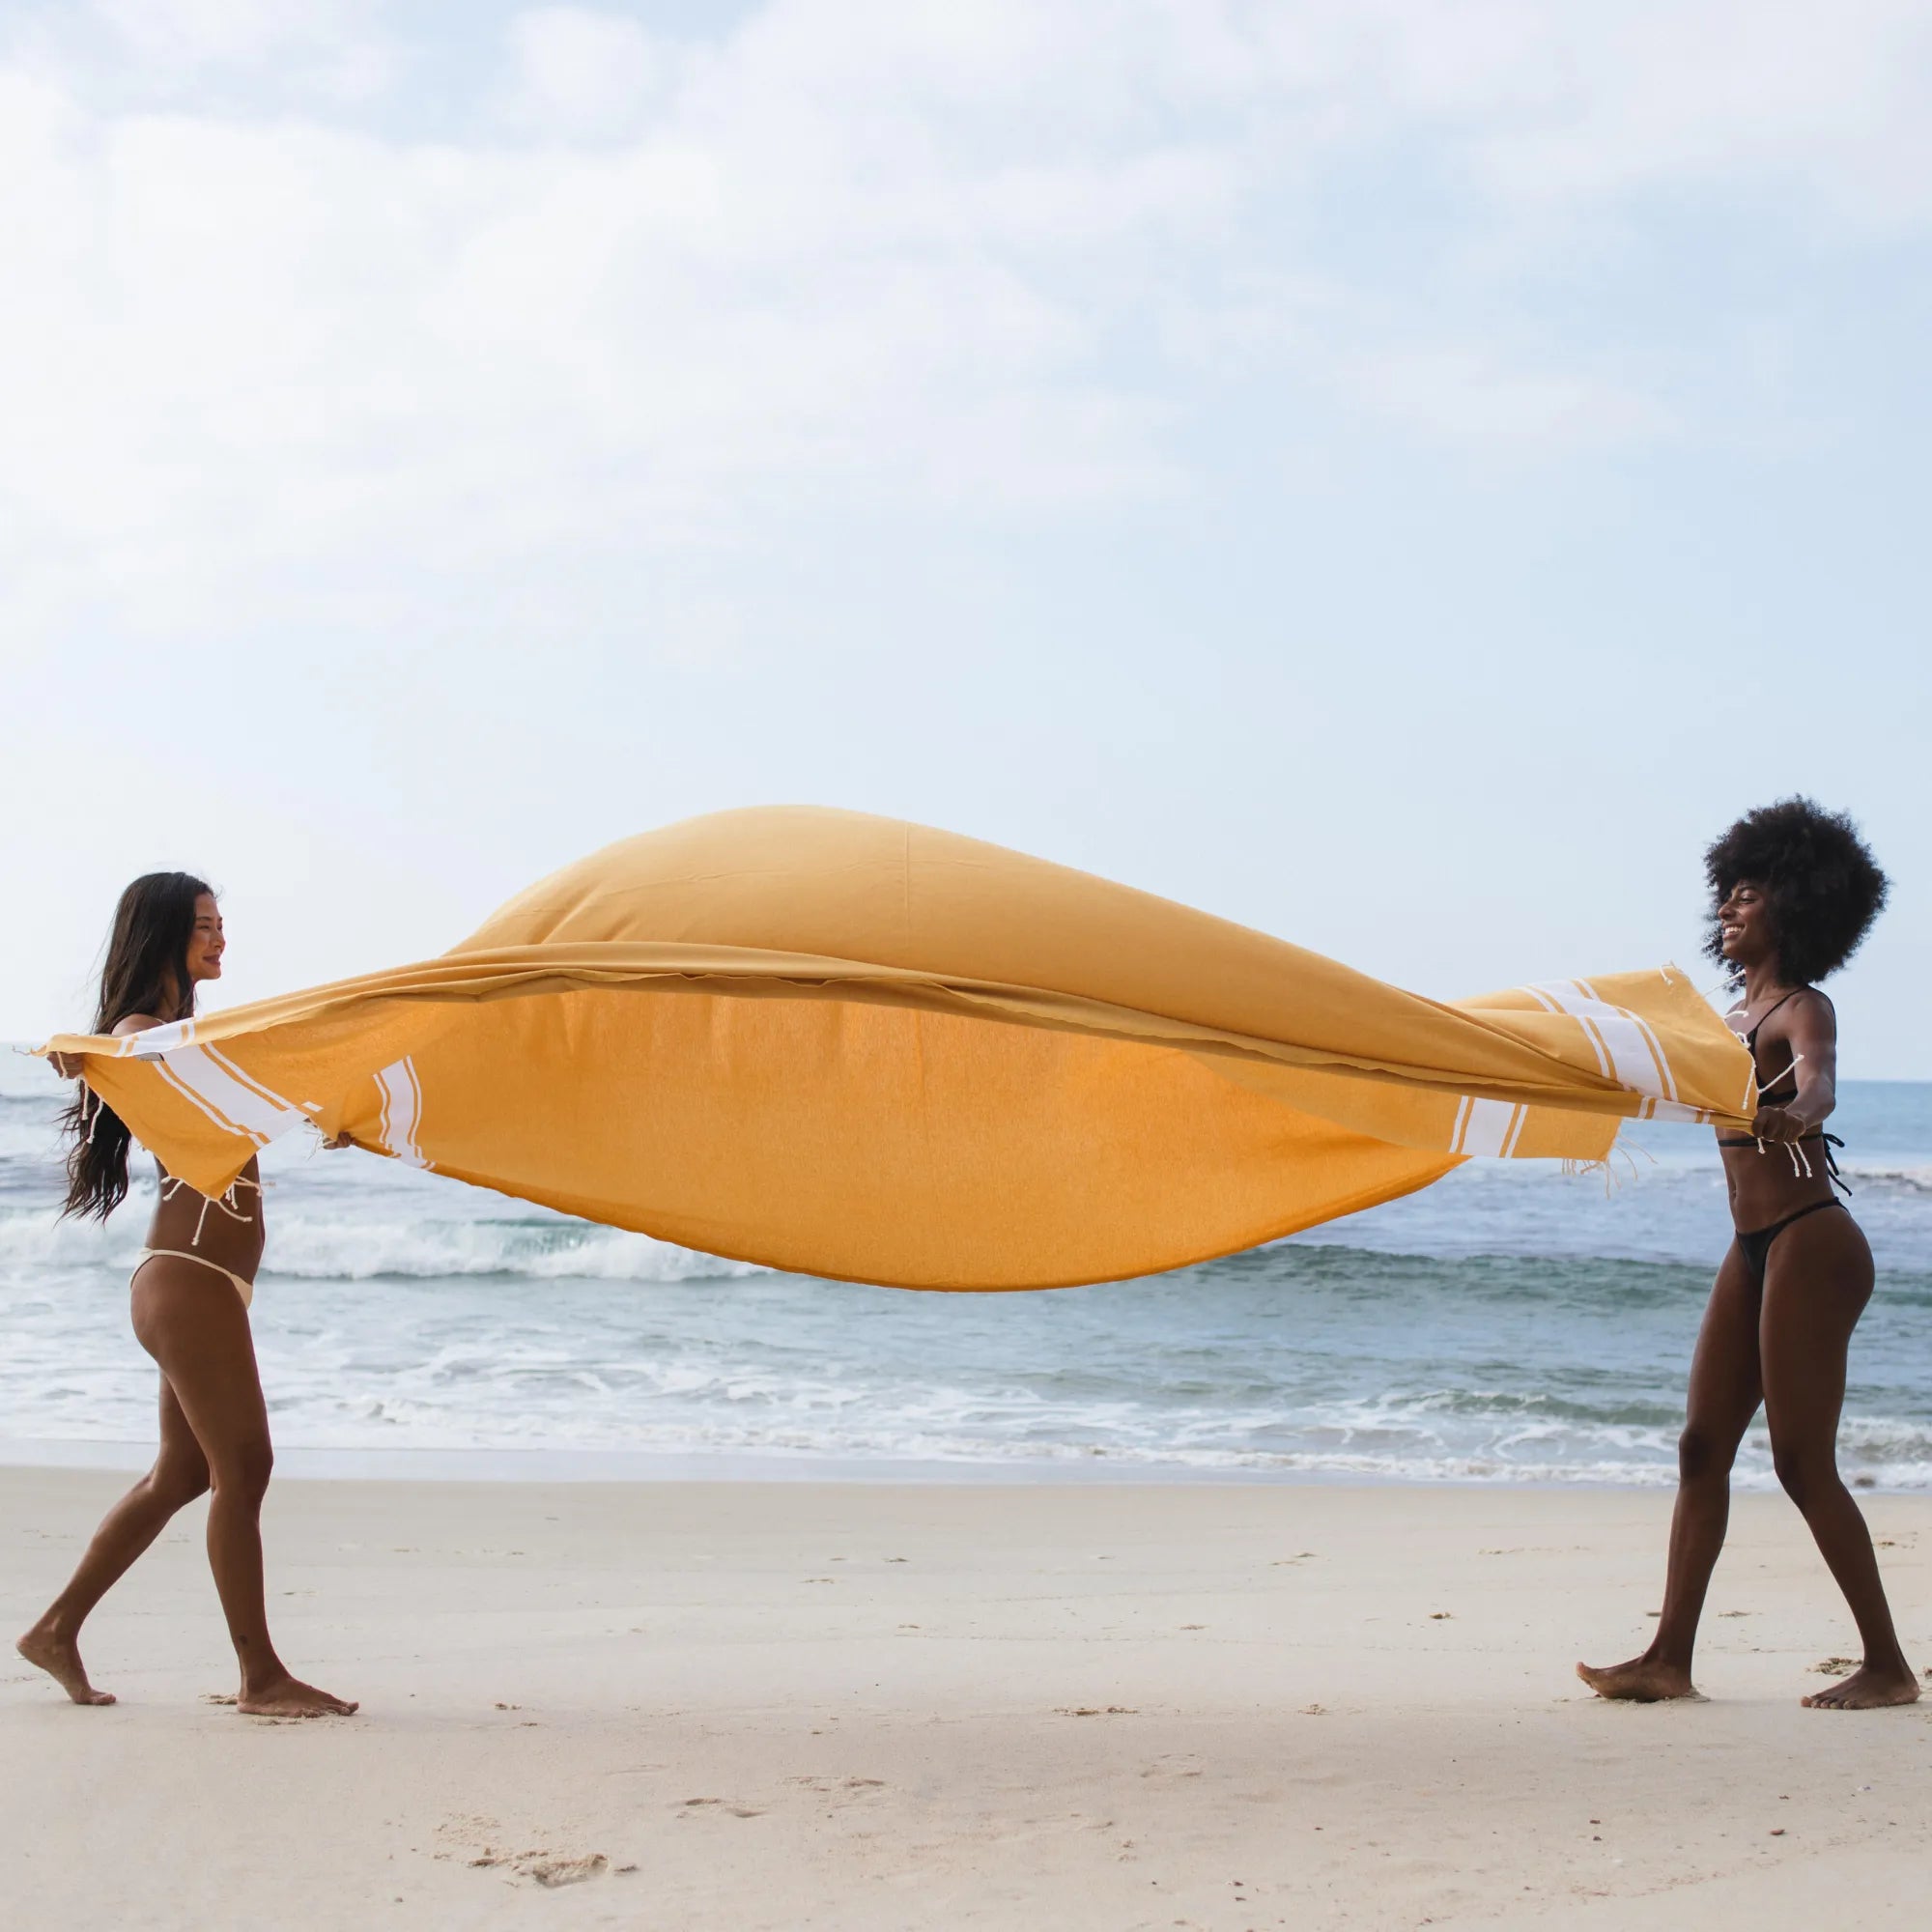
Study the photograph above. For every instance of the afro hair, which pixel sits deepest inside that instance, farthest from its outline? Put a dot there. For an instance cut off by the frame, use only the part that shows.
(1823, 883)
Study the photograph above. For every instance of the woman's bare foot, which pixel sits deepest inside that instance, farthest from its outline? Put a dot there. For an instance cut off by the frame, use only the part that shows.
(290, 1697)
(1643, 1680)
(59, 1657)
(1867, 1689)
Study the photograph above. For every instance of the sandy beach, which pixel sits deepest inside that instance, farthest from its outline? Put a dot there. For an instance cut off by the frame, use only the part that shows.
(779, 1705)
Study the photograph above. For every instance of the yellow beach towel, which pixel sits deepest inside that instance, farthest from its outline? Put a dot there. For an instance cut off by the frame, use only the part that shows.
(861, 1048)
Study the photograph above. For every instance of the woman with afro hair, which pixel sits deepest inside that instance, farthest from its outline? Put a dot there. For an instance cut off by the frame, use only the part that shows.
(1793, 892)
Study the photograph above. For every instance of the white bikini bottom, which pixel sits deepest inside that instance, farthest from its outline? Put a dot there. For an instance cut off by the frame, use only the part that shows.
(244, 1288)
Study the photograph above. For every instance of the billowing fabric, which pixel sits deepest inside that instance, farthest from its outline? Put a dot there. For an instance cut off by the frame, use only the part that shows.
(860, 1048)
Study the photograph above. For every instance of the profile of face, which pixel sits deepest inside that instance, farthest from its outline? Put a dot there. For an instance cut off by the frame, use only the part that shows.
(205, 947)
(1745, 927)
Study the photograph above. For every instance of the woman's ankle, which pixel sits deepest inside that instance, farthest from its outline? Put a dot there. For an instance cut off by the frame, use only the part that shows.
(264, 1675)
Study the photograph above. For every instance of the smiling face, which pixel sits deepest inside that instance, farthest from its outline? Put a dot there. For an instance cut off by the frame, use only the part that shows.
(1745, 927)
(205, 947)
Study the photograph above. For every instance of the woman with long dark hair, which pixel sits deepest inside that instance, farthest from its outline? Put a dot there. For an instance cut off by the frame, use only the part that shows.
(191, 1290)
(1794, 891)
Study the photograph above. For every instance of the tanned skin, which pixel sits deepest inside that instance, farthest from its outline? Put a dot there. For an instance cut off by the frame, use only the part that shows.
(1782, 1345)
(215, 1431)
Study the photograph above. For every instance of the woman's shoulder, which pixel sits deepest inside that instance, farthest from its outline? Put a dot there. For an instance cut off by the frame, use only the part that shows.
(133, 1023)
(1813, 1006)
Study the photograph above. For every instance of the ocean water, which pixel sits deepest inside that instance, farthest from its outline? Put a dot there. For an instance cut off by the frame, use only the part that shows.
(1512, 1324)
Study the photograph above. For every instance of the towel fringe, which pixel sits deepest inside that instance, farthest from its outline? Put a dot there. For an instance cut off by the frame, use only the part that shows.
(1571, 1166)
(1607, 1166)
(225, 1201)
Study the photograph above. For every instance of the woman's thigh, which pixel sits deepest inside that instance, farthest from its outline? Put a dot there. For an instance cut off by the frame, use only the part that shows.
(1817, 1281)
(1727, 1383)
(179, 1453)
(192, 1323)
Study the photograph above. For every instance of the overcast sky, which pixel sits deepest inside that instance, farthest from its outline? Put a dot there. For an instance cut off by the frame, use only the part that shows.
(1400, 474)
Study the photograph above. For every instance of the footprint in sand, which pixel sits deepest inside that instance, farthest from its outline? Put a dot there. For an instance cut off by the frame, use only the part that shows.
(552, 1872)
(539, 1864)
(546, 1867)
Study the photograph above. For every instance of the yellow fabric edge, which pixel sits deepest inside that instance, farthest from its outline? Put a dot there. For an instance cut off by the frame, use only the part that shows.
(732, 972)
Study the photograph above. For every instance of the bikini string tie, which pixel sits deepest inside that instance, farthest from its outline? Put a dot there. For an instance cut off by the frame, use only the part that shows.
(1838, 1181)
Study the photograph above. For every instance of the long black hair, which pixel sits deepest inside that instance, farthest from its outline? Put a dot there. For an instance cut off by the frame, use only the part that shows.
(145, 972)
(1824, 886)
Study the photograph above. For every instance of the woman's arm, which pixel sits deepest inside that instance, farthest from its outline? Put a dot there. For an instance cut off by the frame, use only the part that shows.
(1810, 1032)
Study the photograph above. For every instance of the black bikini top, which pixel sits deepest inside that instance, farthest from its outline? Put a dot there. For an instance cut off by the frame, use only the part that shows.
(1769, 1097)
(1766, 1097)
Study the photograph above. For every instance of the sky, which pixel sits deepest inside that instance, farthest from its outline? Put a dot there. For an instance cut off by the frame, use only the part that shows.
(1400, 474)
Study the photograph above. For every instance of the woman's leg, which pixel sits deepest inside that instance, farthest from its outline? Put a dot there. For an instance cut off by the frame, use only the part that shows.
(1724, 1395)
(194, 1325)
(180, 1476)
(1817, 1282)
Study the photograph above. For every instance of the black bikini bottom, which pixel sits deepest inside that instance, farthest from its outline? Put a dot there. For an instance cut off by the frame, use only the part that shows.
(1756, 1246)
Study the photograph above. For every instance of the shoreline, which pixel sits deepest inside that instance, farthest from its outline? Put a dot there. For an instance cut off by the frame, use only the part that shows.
(604, 1468)
(646, 1468)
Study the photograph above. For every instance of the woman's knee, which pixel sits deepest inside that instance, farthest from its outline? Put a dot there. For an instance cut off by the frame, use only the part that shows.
(175, 1481)
(1702, 1452)
(242, 1471)
(1804, 1473)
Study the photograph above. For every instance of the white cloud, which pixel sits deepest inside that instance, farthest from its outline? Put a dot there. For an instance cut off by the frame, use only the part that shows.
(960, 260)
(330, 50)
(1467, 397)
(583, 75)
(1580, 104)
(202, 32)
